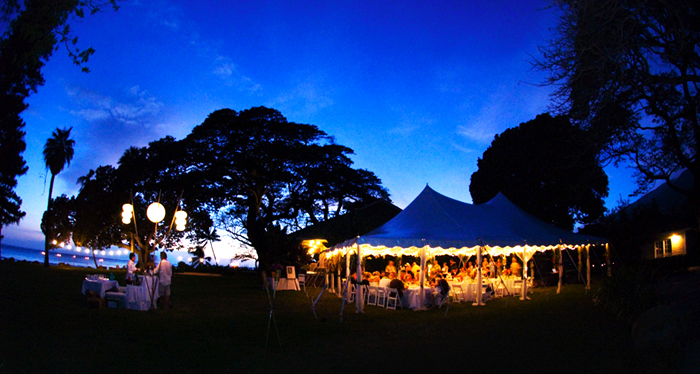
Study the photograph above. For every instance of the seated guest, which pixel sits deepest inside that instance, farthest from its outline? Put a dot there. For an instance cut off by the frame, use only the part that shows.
(398, 284)
(492, 268)
(463, 272)
(374, 277)
(415, 269)
(390, 268)
(472, 270)
(454, 267)
(434, 269)
(499, 268)
(445, 268)
(516, 269)
(441, 289)
(384, 282)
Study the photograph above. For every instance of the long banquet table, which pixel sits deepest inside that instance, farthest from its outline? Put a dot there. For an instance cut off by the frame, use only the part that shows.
(411, 297)
(469, 288)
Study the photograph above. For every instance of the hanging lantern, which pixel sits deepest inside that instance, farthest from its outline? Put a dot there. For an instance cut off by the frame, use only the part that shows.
(127, 212)
(180, 220)
(155, 212)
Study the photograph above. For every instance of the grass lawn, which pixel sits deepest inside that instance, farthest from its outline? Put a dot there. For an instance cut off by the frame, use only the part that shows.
(219, 324)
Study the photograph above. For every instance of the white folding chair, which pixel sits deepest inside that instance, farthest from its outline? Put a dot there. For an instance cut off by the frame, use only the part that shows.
(381, 296)
(372, 295)
(457, 293)
(517, 287)
(485, 295)
(393, 300)
(499, 288)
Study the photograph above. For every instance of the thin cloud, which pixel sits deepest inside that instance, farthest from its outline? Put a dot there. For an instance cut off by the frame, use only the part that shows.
(109, 126)
(304, 99)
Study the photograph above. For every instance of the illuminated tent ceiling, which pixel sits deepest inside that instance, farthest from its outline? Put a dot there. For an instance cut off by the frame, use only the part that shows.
(447, 226)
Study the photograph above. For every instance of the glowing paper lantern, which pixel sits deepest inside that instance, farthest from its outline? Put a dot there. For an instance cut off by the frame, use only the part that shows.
(155, 212)
(180, 220)
(127, 212)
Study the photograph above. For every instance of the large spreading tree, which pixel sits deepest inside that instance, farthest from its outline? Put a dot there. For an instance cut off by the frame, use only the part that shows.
(548, 168)
(263, 175)
(629, 73)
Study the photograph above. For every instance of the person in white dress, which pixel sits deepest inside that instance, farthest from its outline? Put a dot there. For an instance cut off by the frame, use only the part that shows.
(164, 271)
(130, 268)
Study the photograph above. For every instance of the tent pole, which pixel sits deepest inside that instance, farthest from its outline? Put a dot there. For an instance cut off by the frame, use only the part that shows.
(607, 259)
(358, 289)
(560, 269)
(422, 277)
(588, 265)
(478, 301)
(580, 265)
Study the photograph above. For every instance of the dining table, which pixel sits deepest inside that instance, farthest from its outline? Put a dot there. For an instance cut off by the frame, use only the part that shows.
(412, 297)
(98, 285)
(144, 295)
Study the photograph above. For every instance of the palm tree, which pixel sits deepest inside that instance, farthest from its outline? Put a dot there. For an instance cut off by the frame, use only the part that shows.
(58, 152)
(209, 236)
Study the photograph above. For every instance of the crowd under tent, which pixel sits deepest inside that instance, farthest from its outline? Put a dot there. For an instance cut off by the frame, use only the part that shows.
(434, 224)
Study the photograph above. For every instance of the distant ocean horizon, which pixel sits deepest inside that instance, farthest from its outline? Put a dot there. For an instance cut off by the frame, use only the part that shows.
(80, 257)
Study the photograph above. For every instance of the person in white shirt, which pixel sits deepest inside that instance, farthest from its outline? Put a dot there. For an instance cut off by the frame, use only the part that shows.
(165, 273)
(130, 269)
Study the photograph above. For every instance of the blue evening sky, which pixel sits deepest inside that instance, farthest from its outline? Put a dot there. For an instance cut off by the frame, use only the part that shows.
(418, 89)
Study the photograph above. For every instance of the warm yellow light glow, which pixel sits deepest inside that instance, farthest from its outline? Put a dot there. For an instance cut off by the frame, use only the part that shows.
(180, 214)
(180, 227)
(127, 208)
(54, 242)
(126, 221)
(676, 239)
(314, 246)
(155, 212)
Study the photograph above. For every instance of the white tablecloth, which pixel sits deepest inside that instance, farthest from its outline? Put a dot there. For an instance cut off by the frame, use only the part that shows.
(99, 286)
(469, 288)
(286, 284)
(411, 297)
(140, 297)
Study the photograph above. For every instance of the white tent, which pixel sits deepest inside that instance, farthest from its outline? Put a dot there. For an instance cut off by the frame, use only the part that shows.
(435, 224)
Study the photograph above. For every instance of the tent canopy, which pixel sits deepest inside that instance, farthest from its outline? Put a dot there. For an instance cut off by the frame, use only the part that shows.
(447, 226)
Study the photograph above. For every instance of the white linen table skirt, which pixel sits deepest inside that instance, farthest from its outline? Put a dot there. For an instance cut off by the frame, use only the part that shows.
(99, 286)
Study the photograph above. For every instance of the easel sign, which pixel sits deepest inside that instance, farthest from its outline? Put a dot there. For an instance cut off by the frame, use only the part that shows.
(291, 274)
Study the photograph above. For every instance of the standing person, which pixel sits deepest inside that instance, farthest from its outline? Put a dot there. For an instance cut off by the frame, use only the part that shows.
(165, 273)
(130, 268)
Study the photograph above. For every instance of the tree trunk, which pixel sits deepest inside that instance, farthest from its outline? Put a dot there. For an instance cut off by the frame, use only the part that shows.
(47, 245)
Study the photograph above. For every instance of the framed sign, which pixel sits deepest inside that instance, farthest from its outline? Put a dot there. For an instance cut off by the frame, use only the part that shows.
(291, 274)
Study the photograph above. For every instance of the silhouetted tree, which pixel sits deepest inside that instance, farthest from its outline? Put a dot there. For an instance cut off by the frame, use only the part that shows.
(57, 224)
(97, 210)
(628, 71)
(547, 167)
(58, 152)
(262, 174)
(30, 31)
